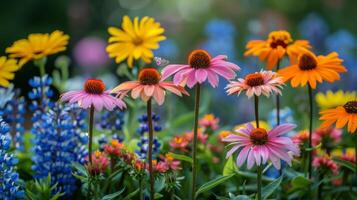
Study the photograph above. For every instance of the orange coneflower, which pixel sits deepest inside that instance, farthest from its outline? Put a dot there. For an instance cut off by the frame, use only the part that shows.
(342, 115)
(278, 44)
(311, 69)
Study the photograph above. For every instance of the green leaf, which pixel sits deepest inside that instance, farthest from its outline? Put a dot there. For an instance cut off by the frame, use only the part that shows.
(314, 148)
(346, 164)
(181, 157)
(253, 175)
(80, 168)
(271, 187)
(131, 195)
(242, 197)
(213, 183)
(300, 182)
(158, 196)
(113, 195)
(230, 167)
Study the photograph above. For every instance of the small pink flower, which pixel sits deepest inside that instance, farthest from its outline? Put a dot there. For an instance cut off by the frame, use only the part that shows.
(263, 82)
(201, 67)
(169, 160)
(94, 94)
(257, 146)
(179, 142)
(301, 137)
(209, 122)
(330, 134)
(325, 163)
(200, 135)
(149, 84)
(100, 163)
(160, 166)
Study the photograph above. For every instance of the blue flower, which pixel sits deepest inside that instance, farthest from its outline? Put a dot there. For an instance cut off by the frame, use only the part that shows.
(143, 144)
(168, 50)
(58, 143)
(219, 28)
(13, 113)
(9, 180)
(286, 116)
(113, 121)
(58, 136)
(6, 94)
(314, 29)
(144, 128)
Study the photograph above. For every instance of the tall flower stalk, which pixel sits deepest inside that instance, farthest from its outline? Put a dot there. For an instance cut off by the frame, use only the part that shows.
(151, 137)
(259, 170)
(200, 67)
(149, 86)
(310, 129)
(310, 70)
(195, 133)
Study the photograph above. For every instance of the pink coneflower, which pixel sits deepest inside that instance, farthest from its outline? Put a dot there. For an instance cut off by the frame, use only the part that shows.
(257, 146)
(209, 121)
(201, 66)
(94, 94)
(149, 84)
(173, 164)
(263, 82)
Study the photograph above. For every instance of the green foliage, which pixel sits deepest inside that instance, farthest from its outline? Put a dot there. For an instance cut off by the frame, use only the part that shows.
(346, 164)
(213, 183)
(271, 187)
(41, 190)
(182, 157)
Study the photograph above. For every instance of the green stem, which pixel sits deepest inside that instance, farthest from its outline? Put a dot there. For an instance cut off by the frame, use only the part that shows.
(194, 150)
(310, 130)
(278, 100)
(140, 189)
(256, 109)
(91, 118)
(151, 133)
(259, 182)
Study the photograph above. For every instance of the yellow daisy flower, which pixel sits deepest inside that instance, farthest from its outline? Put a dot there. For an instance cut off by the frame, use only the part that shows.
(135, 40)
(333, 99)
(8, 67)
(38, 46)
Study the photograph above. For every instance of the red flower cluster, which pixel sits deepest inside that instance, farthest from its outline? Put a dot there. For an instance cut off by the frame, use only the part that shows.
(166, 163)
(209, 122)
(100, 163)
(325, 163)
(181, 142)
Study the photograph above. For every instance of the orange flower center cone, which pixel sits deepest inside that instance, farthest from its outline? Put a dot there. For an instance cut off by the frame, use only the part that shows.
(307, 62)
(94, 86)
(149, 76)
(199, 59)
(255, 79)
(259, 136)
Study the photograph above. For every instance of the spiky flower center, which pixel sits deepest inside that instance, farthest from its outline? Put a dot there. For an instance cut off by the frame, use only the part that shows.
(307, 62)
(149, 76)
(259, 136)
(94, 86)
(199, 59)
(254, 79)
(351, 107)
(137, 41)
(279, 38)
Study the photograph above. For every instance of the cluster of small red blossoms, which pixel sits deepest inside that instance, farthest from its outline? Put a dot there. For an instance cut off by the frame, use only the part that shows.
(209, 122)
(181, 142)
(100, 163)
(116, 150)
(166, 163)
(325, 163)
